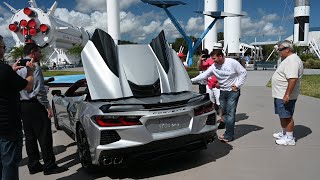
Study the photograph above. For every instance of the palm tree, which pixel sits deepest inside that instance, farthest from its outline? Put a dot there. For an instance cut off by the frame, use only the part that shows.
(76, 51)
(16, 53)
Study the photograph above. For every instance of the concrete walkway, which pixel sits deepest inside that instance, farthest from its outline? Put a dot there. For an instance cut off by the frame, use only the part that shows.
(253, 155)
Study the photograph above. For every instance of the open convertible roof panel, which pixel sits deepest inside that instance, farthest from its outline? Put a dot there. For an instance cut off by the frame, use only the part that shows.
(121, 71)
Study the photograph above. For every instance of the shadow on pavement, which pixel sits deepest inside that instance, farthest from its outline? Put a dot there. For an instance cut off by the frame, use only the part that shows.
(72, 159)
(56, 150)
(244, 129)
(301, 131)
(141, 170)
(241, 117)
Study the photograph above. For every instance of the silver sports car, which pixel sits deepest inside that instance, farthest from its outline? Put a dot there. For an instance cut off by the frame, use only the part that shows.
(136, 103)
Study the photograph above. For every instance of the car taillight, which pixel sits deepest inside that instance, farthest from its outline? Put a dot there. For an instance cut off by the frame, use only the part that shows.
(203, 109)
(112, 121)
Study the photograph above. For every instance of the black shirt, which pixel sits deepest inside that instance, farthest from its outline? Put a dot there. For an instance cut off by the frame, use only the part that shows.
(10, 120)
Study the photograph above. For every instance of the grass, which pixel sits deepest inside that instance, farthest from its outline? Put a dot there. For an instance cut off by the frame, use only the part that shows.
(60, 73)
(310, 85)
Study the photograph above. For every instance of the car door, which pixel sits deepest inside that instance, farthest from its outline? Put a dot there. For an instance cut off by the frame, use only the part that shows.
(61, 104)
(74, 96)
(73, 106)
(66, 105)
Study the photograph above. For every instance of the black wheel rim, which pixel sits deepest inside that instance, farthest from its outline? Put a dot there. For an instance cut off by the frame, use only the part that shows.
(83, 147)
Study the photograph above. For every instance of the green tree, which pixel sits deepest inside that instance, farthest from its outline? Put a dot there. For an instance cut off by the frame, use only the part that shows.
(16, 53)
(126, 42)
(267, 50)
(44, 59)
(304, 52)
(75, 50)
(299, 50)
(181, 42)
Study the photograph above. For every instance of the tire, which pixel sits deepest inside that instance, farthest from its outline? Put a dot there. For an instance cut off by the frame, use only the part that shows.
(83, 150)
(55, 119)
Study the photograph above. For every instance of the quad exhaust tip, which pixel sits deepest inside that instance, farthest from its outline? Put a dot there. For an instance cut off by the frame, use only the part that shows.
(107, 161)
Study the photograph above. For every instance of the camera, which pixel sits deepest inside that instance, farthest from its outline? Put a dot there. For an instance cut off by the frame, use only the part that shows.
(23, 62)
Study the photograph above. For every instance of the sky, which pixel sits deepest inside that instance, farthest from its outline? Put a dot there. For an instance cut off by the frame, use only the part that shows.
(263, 20)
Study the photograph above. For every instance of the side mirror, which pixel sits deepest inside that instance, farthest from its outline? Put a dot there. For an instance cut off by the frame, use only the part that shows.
(47, 81)
(56, 92)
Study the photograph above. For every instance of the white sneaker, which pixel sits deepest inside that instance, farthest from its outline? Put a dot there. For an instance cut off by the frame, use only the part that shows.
(286, 141)
(278, 135)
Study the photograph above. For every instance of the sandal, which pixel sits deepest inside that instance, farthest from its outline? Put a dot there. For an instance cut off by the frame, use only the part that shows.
(225, 140)
(221, 138)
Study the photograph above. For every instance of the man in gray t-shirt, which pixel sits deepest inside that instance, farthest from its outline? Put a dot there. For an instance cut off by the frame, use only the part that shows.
(285, 91)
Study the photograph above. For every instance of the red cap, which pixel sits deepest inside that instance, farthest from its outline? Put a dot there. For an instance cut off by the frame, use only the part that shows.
(181, 55)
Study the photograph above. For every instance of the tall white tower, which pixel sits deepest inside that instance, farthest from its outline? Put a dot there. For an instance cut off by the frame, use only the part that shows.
(232, 29)
(113, 19)
(301, 22)
(211, 37)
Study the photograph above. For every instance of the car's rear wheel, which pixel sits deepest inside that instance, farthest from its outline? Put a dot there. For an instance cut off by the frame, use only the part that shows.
(83, 149)
(55, 119)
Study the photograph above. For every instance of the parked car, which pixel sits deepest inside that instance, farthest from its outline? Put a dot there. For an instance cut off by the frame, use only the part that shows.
(136, 103)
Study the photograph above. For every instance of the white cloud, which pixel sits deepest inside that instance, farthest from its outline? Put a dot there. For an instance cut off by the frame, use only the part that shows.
(124, 4)
(101, 5)
(136, 28)
(152, 27)
(170, 31)
(195, 24)
(270, 17)
(5, 17)
(92, 5)
(88, 21)
(146, 25)
(261, 27)
(270, 30)
(4, 31)
(4, 11)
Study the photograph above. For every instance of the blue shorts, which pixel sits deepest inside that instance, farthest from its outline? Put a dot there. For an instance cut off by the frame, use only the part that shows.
(284, 110)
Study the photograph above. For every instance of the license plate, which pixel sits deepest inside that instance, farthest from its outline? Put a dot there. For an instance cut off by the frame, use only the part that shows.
(168, 124)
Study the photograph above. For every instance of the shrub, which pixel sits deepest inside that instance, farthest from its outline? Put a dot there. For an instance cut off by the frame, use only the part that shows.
(44, 68)
(312, 64)
(307, 56)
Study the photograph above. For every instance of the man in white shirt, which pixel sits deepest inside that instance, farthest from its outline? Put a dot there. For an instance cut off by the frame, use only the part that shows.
(285, 91)
(230, 75)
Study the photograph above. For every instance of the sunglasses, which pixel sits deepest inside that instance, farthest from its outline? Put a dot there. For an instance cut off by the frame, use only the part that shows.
(281, 49)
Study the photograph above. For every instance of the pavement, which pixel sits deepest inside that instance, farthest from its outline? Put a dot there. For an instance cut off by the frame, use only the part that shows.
(252, 155)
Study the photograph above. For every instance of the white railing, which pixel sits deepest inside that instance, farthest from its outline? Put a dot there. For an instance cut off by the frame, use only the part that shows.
(315, 47)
